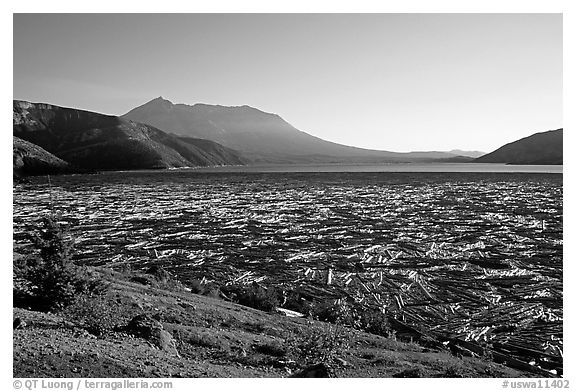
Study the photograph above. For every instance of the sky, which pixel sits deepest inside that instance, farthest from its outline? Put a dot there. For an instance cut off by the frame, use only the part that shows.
(396, 82)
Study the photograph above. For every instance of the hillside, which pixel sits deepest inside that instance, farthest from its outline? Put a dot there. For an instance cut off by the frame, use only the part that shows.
(209, 337)
(260, 136)
(472, 154)
(96, 141)
(30, 159)
(539, 148)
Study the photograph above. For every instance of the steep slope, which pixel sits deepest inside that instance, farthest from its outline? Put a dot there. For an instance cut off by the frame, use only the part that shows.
(98, 141)
(540, 148)
(210, 151)
(216, 339)
(30, 159)
(261, 136)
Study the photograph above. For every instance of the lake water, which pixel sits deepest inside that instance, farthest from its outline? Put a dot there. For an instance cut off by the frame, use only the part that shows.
(393, 167)
(477, 255)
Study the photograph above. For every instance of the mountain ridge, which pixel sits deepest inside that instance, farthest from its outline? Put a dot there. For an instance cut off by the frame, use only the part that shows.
(98, 141)
(542, 148)
(261, 136)
(30, 159)
(160, 134)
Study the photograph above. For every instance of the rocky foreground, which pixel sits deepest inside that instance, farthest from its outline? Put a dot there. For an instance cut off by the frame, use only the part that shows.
(143, 327)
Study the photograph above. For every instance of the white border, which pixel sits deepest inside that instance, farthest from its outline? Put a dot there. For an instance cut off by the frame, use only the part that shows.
(299, 6)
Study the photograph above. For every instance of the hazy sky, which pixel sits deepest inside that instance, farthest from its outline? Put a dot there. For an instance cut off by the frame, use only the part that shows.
(395, 82)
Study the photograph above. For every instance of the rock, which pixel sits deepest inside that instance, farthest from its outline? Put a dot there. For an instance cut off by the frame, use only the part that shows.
(316, 370)
(167, 343)
(412, 372)
(18, 324)
(150, 329)
(341, 361)
(289, 313)
(144, 280)
(144, 326)
(186, 305)
(284, 363)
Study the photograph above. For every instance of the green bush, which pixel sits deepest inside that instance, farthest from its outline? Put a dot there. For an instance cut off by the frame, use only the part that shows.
(49, 280)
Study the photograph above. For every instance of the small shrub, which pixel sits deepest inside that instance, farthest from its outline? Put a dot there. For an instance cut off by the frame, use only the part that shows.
(207, 340)
(351, 315)
(410, 373)
(142, 279)
(205, 289)
(99, 315)
(254, 296)
(375, 322)
(335, 312)
(256, 328)
(156, 277)
(169, 316)
(50, 281)
(212, 291)
(320, 346)
(196, 286)
(454, 372)
(159, 273)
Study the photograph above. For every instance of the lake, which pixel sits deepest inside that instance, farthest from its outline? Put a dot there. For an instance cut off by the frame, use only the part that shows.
(473, 255)
(392, 167)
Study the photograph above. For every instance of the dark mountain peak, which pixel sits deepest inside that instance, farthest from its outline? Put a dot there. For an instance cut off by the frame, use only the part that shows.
(539, 148)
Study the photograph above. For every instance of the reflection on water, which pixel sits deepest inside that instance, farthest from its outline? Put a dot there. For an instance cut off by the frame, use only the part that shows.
(392, 167)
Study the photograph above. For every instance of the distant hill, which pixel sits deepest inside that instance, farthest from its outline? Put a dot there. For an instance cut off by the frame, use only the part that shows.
(540, 148)
(30, 159)
(457, 159)
(441, 156)
(97, 141)
(260, 136)
(472, 154)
